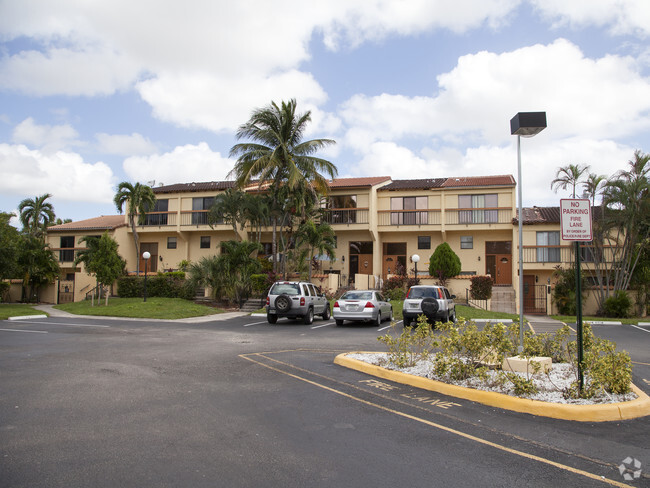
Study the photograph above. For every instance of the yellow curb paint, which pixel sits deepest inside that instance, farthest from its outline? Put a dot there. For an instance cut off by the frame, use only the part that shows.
(582, 413)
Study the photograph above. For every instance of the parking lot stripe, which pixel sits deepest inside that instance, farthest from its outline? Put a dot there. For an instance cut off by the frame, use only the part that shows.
(640, 328)
(255, 323)
(322, 325)
(459, 433)
(71, 325)
(19, 330)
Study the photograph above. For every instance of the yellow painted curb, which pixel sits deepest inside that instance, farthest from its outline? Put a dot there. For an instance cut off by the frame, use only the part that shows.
(583, 413)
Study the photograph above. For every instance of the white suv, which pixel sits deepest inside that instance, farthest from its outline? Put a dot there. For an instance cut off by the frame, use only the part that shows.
(295, 299)
(433, 301)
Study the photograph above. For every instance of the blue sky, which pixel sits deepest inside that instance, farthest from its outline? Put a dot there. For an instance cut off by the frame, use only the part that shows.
(94, 93)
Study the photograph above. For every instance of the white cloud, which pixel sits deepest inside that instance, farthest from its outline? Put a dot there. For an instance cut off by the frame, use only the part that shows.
(184, 164)
(604, 97)
(64, 174)
(49, 138)
(624, 17)
(209, 102)
(124, 144)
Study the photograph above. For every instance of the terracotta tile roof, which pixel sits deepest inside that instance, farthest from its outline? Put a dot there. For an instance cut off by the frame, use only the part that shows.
(194, 187)
(549, 215)
(358, 182)
(422, 184)
(500, 180)
(104, 222)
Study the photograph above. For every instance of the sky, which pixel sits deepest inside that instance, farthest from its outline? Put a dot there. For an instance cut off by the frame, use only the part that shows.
(93, 93)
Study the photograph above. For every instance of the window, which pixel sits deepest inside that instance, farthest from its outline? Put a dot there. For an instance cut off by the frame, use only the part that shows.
(546, 253)
(343, 201)
(205, 242)
(404, 210)
(466, 242)
(424, 242)
(486, 205)
(158, 215)
(171, 243)
(343, 209)
(200, 207)
(65, 254)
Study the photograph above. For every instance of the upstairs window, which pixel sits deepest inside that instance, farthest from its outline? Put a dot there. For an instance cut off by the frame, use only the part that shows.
(486, 209)
(548, 254)
(404, 210)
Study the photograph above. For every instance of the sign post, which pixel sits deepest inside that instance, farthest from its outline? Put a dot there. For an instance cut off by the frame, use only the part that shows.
(575, 218)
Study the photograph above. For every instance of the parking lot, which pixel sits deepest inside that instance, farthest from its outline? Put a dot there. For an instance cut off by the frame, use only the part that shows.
(240, 402)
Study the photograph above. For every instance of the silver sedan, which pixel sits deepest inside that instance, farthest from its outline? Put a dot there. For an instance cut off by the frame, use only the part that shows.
(362, 305)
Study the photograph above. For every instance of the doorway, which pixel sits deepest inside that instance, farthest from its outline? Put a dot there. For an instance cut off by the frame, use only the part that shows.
(534, 296)
(498, 261)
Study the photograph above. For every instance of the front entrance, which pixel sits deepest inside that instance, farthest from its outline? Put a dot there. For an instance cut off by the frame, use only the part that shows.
(498, 261)
(534, 296)
(152, 248)
(66, 291)
(394, 258)
(360, 258)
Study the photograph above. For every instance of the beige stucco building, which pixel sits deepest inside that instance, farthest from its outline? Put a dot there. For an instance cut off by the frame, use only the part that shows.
(379, 223)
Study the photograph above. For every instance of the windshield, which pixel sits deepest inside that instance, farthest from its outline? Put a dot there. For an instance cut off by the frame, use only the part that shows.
(286, 288)
(357, 295)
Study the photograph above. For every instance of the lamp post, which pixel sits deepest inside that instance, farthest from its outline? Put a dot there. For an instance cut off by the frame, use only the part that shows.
(526, 124)
(145, 255)
(416, 259)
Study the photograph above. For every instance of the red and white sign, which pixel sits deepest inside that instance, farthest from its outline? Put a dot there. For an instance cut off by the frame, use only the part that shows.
(575, 218)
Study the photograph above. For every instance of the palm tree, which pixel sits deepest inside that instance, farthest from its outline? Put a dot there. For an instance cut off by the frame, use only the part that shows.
(319, 238)
(139, 199)
(228, 207)
(36, 214)
(568, 176)
(593, 186)
(256, 210)
(278, 155)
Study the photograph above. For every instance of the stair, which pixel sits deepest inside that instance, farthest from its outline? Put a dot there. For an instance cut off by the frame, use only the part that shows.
(252, 305)
(503, 299)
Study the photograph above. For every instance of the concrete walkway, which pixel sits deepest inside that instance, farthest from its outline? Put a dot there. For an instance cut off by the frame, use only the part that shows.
(53, 312)
(542, 323)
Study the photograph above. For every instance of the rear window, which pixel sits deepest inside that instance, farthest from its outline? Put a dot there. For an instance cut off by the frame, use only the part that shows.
(357, 295)
(424, 293)
(285, 288)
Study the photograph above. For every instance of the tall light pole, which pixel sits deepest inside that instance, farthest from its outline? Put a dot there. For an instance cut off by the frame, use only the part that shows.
(524, 124)
(416, 259)
(145, 255)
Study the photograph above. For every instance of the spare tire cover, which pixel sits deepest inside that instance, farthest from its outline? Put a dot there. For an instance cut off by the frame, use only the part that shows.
(429, 306)
(283, 303)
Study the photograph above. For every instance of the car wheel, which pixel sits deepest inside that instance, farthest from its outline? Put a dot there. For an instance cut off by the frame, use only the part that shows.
(283, 303)
(378, 319)
(407, 321)
(326, 313)
(339, 321)
(453, 318)
(308, 319)
(445, 318)
(272, 319)
(390, 315)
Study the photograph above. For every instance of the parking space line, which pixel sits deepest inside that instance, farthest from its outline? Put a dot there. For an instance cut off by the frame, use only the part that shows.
(26, 330)
(388, 326)
(640, 328)
(444, 428)
(322, 325)
(71, 325)
(256, 323)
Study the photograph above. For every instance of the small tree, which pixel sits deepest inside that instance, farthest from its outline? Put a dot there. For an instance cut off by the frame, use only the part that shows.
(101, 259)
(444, 263)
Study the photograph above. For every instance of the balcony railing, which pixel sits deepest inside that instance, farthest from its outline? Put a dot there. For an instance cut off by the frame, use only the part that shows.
(409, 217)
(478, 216)
(159, 218)
(196, 217)
(66, 254)
(563, 254)
(335, 216)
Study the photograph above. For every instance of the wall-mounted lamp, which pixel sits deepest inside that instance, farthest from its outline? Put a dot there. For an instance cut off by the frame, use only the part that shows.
(161, 258)
(343, 259)
(479, 258)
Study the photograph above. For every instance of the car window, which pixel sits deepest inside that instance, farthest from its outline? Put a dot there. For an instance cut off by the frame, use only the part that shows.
(306, 290)
(313, 290)
(424, 293)
(285, 288)
(357, 295)
(447, 294)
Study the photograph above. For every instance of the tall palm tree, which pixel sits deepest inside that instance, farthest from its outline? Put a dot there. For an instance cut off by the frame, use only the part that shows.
(36, 214)
(257, 211)
(568, 176)
(277, 153)
(228, 207)
(593, 186)
(319, 238)
(139, 200)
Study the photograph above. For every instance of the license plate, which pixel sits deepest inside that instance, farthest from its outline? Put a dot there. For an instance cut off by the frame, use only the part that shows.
(272, 312)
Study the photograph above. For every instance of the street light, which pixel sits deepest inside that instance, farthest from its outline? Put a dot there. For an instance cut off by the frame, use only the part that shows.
(145, 255)
(526, 124)
(416, 259)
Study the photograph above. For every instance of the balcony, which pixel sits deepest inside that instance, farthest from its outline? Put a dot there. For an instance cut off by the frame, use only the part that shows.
(563, 254)
(196, 217)
(409, 217)
(66, 254)
(346, 216)
(159, 219)
(478, 216)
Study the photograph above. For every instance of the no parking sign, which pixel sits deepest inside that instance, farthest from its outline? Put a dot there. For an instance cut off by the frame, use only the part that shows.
(575, 218)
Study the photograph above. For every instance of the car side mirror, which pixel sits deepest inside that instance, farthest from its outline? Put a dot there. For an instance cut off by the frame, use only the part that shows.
(453, 296)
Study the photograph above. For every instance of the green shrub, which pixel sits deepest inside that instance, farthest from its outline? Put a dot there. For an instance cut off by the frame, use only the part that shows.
(260, 284)
(564, 293)
(444, 263)
(412, 345)
(395, 294)
(618, 305)
(397, 281)
(129, 287)
(480, 287)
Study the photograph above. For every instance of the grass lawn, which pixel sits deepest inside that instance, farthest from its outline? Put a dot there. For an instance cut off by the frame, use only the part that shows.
(153, 308)
(17, 309)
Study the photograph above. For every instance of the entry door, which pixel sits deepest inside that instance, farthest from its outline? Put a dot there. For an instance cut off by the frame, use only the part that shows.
(504, 269)
(152, 265)
(66, 291)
